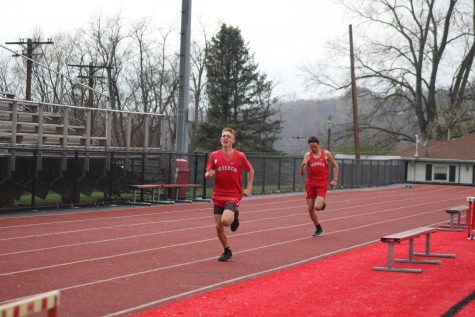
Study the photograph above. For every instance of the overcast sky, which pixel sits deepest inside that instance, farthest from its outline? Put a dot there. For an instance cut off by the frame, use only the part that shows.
(282, 34)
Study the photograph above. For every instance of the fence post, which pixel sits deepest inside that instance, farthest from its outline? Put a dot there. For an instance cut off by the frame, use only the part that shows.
(170, 172)
(195, 177)
(111, 175)
(264, 175)
(371, 173)
(33, 180)
(142, 175)
(76, 198)
(354, 173)
(294, 164)
(278, 177)
(204, 178)
(169, 168)
(342, 176)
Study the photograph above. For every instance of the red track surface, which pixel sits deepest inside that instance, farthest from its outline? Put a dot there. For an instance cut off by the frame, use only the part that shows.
(116, 262)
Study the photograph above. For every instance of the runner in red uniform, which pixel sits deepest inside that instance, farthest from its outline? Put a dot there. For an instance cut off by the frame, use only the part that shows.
(316, 186)
(227, 164)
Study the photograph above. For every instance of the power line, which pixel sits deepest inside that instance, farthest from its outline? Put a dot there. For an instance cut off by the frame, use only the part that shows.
(91, 71)
(54, 71)
(28, 51)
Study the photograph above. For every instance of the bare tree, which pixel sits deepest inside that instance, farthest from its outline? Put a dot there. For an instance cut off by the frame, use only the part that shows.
(140, 74)
(459, 112)
(405, 49)
(151, 80)
(198, 82)
(108, 47)
(11, 77)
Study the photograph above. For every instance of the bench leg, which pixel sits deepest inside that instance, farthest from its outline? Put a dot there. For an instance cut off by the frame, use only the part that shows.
(427, 251)
(158, 201)
(390, 267)
(188, 201)
(410, 258)
(471, 222)
(451, 226)
(465, 224)
(199, 199)
(134, 200)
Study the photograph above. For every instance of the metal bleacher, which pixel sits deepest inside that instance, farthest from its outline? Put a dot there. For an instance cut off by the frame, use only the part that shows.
(28, 123)
(70, 150)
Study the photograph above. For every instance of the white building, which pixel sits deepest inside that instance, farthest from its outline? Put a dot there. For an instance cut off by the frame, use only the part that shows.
(450, 161)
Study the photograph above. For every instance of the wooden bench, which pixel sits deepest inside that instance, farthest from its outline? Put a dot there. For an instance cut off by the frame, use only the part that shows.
(153, 188)
(181, 185)
(455, 211)
(177, 188)
(410, 235)
(44, 302)
(156, 190)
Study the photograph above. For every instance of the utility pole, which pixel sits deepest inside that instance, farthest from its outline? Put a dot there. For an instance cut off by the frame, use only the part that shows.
(91, 76)
(329, 131)
(356, 123)
(184, 84)
(92, 69)
(28, 51)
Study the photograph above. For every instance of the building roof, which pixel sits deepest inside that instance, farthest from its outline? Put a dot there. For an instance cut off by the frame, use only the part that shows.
(462, 148)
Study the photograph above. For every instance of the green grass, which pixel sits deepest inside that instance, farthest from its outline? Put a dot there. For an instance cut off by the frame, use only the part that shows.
(53, 199)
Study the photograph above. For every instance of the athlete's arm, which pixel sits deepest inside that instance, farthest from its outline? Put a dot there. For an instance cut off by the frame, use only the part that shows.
(210, 167)
(209, 174)
(303, 167)
(250, 179)
(335, 168)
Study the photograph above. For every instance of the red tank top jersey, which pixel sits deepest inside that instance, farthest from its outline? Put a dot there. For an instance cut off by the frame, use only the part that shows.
(318, 169)
(228, 177)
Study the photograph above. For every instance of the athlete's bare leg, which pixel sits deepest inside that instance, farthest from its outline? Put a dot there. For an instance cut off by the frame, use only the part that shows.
(315, 205)
(220, 231)
(227, 217)
(319, 203)
(311, 211)
(221, 221)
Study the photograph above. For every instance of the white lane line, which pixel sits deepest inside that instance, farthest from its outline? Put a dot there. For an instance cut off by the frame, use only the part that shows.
(297, 198)
(154, 213)
(236, 279)
(201, 227)
(240, 278)
(214, 259)
(169, 221)
(202, 241)
(187, 219)
(147, 250)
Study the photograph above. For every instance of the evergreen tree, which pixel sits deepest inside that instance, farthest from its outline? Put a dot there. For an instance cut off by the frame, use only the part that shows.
(239, 97)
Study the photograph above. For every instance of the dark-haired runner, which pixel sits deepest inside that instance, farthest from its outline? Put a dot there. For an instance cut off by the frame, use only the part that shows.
(316, 186)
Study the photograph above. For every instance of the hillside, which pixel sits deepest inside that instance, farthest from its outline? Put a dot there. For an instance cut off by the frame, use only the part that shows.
(304, 118)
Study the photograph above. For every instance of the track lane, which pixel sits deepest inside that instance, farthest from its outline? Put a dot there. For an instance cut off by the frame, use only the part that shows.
(282, 233)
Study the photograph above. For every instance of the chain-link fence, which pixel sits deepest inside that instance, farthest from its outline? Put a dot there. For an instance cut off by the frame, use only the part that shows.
(41, 177)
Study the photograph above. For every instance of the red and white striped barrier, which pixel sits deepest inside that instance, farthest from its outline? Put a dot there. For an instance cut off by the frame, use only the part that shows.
(44, 302)
(471, 218)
